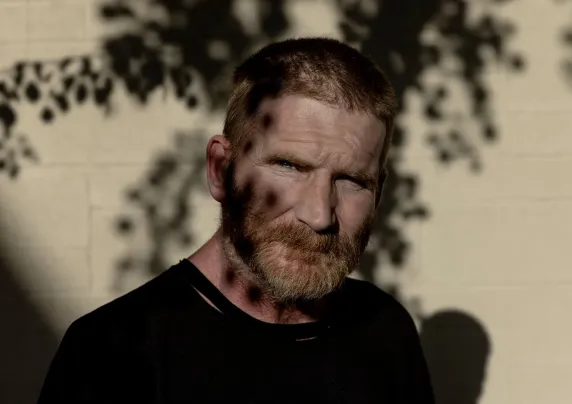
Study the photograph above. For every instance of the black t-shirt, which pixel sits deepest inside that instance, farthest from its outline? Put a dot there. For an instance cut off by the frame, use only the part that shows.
(163, 343)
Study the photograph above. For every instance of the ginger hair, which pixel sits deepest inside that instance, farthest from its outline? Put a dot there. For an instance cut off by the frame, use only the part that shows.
(323, 69)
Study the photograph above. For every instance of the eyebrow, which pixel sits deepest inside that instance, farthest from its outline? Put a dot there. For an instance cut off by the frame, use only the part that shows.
(369, 181)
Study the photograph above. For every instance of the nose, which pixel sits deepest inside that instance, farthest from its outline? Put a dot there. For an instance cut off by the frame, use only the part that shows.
(316, 205)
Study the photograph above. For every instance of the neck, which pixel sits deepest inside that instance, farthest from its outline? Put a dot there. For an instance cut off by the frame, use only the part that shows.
(239, 288)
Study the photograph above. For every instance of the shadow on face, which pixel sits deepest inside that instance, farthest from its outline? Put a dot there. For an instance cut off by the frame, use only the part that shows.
(299, 199)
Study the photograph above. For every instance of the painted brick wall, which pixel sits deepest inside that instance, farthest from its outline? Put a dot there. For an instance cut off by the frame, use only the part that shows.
(496, 245)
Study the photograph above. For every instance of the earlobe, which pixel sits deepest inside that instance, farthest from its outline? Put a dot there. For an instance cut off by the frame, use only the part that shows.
(217, 159)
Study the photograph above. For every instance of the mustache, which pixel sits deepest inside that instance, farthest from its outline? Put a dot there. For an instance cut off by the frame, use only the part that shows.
(299, 237)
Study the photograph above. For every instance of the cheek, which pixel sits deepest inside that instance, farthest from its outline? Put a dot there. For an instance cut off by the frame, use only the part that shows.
(274, 195)
(353, 210)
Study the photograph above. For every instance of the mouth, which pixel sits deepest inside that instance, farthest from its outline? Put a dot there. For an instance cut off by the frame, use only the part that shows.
(306, 248)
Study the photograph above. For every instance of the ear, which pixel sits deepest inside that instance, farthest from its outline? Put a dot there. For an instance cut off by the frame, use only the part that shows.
(380, 182)
(218, 159)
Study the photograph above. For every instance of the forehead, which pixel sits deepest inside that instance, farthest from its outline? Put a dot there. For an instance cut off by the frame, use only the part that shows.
(309, 126)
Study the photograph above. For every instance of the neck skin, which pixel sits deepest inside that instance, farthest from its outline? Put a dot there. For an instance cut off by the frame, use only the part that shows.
(212, 262)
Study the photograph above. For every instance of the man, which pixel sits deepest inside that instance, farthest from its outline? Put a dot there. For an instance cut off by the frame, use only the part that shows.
(264, 311)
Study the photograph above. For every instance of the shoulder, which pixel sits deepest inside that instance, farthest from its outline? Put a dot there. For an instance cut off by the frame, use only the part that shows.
(371, 304)
(130, 316)
(367, 295)
(387, 335)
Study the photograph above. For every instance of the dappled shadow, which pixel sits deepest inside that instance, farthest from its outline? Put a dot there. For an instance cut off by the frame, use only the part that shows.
(172, 36)
(457, 349)
(169, 42)
(566, 40)
(54, 89)
(163, 195)
(408, 45)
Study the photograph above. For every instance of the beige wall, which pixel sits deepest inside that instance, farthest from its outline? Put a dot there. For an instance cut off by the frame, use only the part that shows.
(495, 246)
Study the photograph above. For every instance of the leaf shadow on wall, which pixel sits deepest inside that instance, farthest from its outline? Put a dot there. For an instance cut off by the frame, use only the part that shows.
(566, 40)
(169, 43)
(161, 51)
(173, 41)
(404, 56)
(163, 195)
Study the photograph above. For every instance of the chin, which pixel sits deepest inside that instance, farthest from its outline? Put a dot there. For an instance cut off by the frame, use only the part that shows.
(299, 278)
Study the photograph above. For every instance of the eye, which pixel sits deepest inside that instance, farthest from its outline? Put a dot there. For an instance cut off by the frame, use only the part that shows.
(286, 164)
(353, 182)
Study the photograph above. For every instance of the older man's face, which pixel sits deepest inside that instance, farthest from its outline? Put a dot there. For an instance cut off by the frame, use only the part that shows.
(301, 196)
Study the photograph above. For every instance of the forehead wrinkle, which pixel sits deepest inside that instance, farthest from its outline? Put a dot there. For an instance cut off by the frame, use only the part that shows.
(321, 138)
(352, 133)
(315, 125)
(345, 135)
